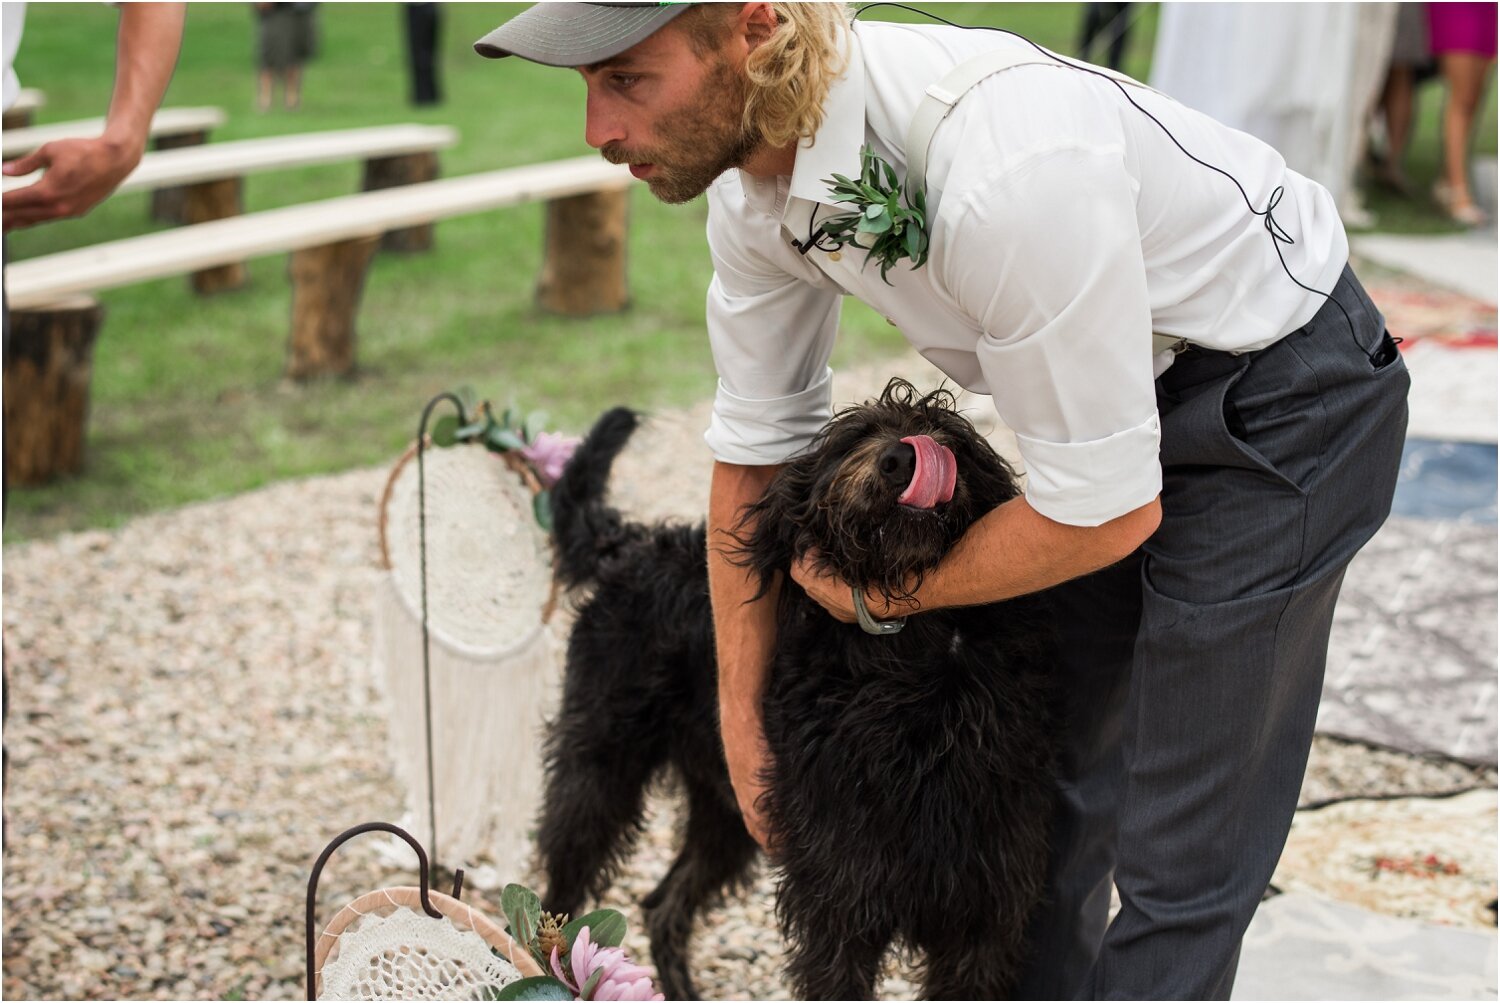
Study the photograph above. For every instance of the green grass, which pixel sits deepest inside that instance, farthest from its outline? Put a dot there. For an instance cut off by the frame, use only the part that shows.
(187, 398)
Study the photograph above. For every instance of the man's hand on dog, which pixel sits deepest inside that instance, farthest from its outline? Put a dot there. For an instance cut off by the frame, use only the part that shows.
(836, 595)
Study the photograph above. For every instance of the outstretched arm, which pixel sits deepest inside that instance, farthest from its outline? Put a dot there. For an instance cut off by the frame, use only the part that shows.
(1012, 551)
(744, 637)
(80, 173)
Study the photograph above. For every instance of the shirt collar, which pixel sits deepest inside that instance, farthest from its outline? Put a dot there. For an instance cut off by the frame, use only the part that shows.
(835, 148)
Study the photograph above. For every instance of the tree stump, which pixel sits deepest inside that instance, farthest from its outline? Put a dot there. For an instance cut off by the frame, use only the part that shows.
(210, 200)
(583, 270)
(169, 205)
(405, 169)
(48, 363)
(327, 283)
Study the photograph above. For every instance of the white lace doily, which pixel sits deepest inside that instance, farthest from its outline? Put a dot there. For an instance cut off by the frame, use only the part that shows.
(411, 956)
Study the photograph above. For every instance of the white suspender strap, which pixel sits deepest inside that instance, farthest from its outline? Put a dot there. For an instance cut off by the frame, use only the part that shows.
(940, 98)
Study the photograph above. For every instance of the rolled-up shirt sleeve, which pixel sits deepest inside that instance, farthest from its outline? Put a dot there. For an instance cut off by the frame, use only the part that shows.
(771, 332)
(1046, 257)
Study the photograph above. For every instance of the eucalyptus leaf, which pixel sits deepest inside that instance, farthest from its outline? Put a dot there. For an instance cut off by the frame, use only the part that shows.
(890, 174)
(523, 910)
(913, 241)
(541, 507)
(606, 928)
(500, 437)
(878, 224)
(444, 433)
(537, 987)
(471, 430)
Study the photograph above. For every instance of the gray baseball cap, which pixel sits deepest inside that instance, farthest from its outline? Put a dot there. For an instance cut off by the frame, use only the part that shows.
(576, 34)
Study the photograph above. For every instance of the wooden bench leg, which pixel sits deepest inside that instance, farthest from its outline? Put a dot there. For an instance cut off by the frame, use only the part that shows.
(169, 205)
(48, 364)
(583, 269)
(406, 169)
(210, 200)
(327, 283)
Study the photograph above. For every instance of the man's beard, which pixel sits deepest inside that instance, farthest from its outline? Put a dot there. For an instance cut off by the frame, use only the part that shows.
(698, 143)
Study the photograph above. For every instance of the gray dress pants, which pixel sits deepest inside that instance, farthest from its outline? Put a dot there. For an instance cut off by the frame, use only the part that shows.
(1193, 669)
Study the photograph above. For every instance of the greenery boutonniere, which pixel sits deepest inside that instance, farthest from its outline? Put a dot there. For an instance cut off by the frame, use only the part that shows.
(888, 224)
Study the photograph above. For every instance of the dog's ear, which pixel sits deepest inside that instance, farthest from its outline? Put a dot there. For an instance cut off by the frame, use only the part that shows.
(771, 532)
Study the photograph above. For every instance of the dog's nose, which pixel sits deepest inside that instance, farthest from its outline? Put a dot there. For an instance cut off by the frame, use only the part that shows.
(898, 464)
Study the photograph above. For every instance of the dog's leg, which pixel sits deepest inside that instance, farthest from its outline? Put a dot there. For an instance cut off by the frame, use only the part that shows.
(842, 966)
(716, 855)
(591, 815)
(973, 966)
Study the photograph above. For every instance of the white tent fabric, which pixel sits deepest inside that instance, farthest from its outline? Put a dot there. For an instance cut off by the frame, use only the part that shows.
(1300, 76)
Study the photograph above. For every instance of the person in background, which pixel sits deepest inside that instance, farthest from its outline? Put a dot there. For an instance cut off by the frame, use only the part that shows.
(422, 23)
(1463, 40)
(285, 39)
(80, 173)
(1109, 22)
(1411, 60)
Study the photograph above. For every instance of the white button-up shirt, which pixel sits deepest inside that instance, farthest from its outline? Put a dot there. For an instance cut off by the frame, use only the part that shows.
(1070, 229)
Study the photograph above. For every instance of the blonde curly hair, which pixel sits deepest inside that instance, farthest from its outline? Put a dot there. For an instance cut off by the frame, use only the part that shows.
(789, 74)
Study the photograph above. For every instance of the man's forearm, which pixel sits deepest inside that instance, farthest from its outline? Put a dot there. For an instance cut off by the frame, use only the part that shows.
(1015, 550)
(149, 38)
(744, 632)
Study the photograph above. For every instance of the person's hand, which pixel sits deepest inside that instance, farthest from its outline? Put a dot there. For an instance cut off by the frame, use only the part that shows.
(837, 596)
(748, 756)
(80, 173)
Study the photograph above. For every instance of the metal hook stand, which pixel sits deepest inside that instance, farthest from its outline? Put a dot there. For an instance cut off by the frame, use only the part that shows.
(346, 835)
(317, 871)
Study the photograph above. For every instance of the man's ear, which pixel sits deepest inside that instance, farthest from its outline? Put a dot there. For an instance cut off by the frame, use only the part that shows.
(755, 24)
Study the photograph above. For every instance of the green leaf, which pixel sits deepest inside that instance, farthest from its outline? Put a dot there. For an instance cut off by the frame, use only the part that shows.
(444, 433)
(472, 430)
(541, 507)
(523, 910)
(586, 991)
(535, 422)
(606, 928)
(890, 175)
(871, 211)
(537, 987)
(913, 241)
(499, 437)
(878, 224)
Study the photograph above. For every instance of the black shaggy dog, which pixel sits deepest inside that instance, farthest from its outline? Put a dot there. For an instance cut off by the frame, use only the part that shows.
(910, 787)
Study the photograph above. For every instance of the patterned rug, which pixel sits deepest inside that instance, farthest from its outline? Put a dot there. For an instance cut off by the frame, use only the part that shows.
(1428, 859)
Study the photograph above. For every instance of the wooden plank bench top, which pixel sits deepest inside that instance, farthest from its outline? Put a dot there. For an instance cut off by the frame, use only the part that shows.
(166, 122)
(40, 281)
(212, 161)
(28, 99)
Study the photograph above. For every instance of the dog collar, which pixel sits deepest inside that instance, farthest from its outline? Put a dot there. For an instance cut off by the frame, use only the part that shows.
(868, 623)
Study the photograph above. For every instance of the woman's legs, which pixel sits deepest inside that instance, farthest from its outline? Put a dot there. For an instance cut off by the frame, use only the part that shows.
(1464, 75)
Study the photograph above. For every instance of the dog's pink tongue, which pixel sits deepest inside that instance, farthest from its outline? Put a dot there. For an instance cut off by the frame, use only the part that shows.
(935, 476)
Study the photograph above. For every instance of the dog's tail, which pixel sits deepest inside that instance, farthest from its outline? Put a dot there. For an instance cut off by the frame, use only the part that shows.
(585, 528)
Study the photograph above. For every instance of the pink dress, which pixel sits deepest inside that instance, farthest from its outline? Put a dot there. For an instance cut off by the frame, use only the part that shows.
(1462, 27)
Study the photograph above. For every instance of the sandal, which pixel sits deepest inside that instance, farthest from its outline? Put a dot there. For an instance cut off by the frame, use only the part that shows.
(1465, 212)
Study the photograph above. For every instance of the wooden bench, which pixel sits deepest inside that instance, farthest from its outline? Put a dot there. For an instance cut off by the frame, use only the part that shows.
(54, 318)
(19, 114)
(212, 176)
(170, 129)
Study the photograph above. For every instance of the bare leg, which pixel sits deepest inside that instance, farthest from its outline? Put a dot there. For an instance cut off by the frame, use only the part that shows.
(1464, 74)
(263, 95)
(292, 97)
(1396, 103)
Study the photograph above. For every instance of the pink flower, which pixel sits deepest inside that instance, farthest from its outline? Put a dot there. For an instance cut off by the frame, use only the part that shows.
(549, 454)
(621, 979)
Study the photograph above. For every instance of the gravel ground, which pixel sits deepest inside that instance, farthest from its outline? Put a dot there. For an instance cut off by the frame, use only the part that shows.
(192, 717)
